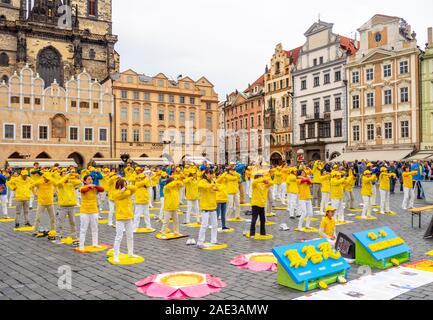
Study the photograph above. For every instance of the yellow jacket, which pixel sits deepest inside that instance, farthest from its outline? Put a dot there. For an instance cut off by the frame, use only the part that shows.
(221, 195)
(292, 184)
(21, 187)
(285, 173)
(304, 189)
(232, 182)
(67, 196)
(123, 203)
(154, 180)
(337, 188)
(171, 195)
(260, 192)
(45, 191)
(191, 188)
(385, 183)
(407, 179)
(208, 200)
(141, 192)
(326, 183)
(111, 186)
(278, 176)
(317, 168)
(367, 185)
(349, 183)
(89, 199)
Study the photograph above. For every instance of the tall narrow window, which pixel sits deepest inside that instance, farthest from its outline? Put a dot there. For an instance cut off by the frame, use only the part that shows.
(92, 7)
(355, 131)
(388, 130)
(370, 131)
(404, 129)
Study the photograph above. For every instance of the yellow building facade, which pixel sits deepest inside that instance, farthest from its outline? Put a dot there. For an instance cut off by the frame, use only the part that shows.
(54, 122)
(156, 116)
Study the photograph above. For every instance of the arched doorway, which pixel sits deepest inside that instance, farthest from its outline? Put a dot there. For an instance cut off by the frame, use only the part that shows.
(16, 155)
(276, 158)
(78, 158)
(316, 156)
(43, 155)
(50, 66)
(98, 156)
(144, 156)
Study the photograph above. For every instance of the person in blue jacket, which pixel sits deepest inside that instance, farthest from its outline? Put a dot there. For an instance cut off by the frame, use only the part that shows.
(418, 167)
(96, 176)
(4, 196)
(162, 182)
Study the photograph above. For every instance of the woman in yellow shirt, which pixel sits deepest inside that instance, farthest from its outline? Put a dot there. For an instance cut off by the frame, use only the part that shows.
(22, 186)
(171, 206)
(124, 218)
(409, 192)
(44, 188)
(384, 189)
(259, 198)
(325, 180)
(222, 198)
(142, 183)
(305, 199)
(327, 226)
(337, 194)
(349, 183)
(89, 211)
(191, 195)
(112, 179)
(293, 192)
(367, 192)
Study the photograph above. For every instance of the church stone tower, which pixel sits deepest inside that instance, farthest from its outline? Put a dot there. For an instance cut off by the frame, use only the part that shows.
(53, 43)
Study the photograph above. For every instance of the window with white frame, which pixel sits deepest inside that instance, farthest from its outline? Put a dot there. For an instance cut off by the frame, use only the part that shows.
(316, 81)
(9, 131)
(209, 122)
(73, 134)
(370, 132)
(171, 98)
(192, 116)
(337, 103)
(388, 130)
(171, 116)
(124, 135)
(327, 78)
(136, 135)
(404, 67)
(136, 95)
(182, 117)
(337, 76)
(404, 128)
(146, 114)
(303, 84)
(124, 94)
(147, 96)
(355, 101)
(160, 136)
(388, 96)
(161, 97)
(124, 113)
(88, 134)
(370, 99)
(369, 74)
(303, 110)
(387, 71)
(355, 133)
(147, 135)
(404, 94)
(355, 77)
(161, 115)
(136, 114)
(327, 105)
(26, 132)
(43, 133)
(103, 134)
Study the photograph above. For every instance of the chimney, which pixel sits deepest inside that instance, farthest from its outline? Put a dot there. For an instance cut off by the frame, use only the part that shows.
(430, 37)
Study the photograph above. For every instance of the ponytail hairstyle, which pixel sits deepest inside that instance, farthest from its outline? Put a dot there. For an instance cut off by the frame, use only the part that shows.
(120, 184)
(205, 173)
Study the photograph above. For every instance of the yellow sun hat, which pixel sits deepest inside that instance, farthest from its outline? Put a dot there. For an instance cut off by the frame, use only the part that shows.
(24, 173)
(383, 169)
(330, 208)
(367, 172)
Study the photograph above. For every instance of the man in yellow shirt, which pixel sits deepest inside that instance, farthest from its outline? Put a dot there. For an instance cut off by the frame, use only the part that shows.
(305, 197)
(232, 184)
(327, 226)
(384, 189)
(317, 170)
(325, 181)
(142, 183)
(45, 188)
(260, 188)
(409, 192)
(293, 192)
(337, 194)
(22, 186)
(367, 192)
(171, 206)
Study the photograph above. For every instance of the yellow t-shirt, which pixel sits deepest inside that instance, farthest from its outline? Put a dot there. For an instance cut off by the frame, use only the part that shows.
(328, 226)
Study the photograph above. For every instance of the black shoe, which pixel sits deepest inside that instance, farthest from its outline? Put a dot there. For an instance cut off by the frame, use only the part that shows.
(225, 228)
(34, 235)
(28, 224)
(17, 225)
(293, 218)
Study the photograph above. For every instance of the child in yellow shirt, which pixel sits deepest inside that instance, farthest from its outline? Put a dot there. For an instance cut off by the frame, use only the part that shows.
(327, 226)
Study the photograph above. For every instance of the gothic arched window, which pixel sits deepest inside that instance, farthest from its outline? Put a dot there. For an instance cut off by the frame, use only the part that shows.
(50, 66)
(4, 59)
(92, 7)
(4, 78)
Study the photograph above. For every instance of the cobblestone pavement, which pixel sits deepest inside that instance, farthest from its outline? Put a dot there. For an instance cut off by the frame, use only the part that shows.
(29, 267)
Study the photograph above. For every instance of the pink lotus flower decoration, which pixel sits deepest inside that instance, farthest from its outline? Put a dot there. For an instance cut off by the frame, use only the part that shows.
(179, 285)
(256, 262)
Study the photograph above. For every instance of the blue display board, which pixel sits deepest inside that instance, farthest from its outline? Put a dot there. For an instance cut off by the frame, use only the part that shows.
(365, 241)
(311, 271)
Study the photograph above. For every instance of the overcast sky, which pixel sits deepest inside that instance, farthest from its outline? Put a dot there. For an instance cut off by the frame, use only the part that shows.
(231, 41)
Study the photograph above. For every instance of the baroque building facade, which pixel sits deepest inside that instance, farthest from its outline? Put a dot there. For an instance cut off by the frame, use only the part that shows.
(427, 98)
(57, 39)
(320, 94)
(156, 116)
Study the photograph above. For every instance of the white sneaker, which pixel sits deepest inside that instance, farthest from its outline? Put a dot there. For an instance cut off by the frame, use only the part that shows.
(116, 260)
(134, 256)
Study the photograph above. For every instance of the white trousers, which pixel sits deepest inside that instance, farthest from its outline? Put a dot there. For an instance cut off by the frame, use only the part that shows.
(374, 196)
(292, 204)
(306, 207)
(11, 196)
(338, 205)
(161, 210)
(279, 191)
(4, 204)
(233, 206)
(409, 198)
(150, 189)
(182, 195)
(121, 227)
(78, 194)
(85, 220)
(32, 199)
(205, 215)
(325, 201)
(141, 209)
(111, 209)
(248, 188)
(192, 208)
(384, 201)
(366, 210)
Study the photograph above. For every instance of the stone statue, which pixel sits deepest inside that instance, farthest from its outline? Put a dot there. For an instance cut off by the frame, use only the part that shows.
(78, 54)
(21, 49)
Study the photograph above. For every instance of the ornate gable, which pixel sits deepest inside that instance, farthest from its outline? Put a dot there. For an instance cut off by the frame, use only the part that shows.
(318, 27)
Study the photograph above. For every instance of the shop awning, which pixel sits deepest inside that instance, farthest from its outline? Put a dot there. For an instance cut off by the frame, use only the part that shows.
(24, 164)
(375, 155)
(421, 156)
(142, 162)
(107, 162)
(196, 160)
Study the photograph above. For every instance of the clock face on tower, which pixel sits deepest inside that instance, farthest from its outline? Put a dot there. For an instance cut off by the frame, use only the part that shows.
(378, 37)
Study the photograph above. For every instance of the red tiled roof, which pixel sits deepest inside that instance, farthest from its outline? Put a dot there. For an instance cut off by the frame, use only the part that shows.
(259, 81)
(348, 45)
(294, 54)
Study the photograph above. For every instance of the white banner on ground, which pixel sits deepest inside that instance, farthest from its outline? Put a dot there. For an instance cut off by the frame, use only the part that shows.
(384, 285)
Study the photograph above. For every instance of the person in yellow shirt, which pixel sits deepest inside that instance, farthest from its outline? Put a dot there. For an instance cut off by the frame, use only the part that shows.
(22, 187)
(232, 185)
(384, 189)
(67, 200)
(317, 172)
(293, 192)
(171, 205)
(35, 174)
(208, 206)
(124, 218)
(327, 226)
(89, 211)
(260, 187)
(408, 190)
(142, 183)
(305, 204)
(222, 197)
(103, 196)
(191, 195)
(248, 180)
(349, 184)
(325, 181)
(14, 176)
(367, 192)
(44, 188)
(337, 194)
(112, 179)
(277, 190)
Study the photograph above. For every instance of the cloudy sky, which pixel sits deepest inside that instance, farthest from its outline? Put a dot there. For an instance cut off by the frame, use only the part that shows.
(231, 41)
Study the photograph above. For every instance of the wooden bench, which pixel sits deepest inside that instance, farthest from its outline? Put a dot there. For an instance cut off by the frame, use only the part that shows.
(418, 212)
